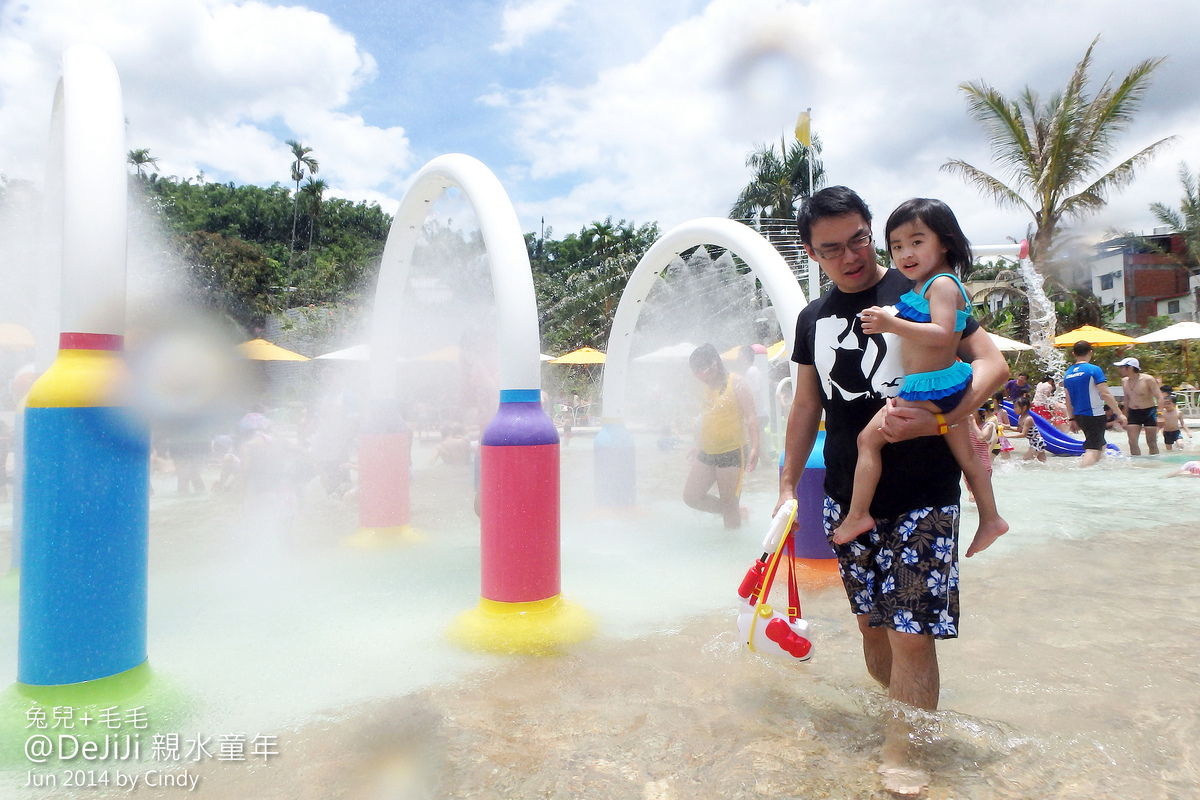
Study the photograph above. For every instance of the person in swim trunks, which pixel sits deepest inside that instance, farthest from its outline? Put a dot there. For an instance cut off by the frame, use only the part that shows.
(1171, 420)
(1142, 399)
(1087, 396)
(728, 444)
(901, 578)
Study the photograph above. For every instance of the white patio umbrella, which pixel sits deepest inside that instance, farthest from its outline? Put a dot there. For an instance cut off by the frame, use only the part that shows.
(359, 352)
(1006, 345)
(1179, 332)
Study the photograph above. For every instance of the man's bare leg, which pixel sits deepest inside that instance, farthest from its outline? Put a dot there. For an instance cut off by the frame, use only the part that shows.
(1090, 457)
(1152, 440)
(1134, 431)
(877, 651)
(915, 682)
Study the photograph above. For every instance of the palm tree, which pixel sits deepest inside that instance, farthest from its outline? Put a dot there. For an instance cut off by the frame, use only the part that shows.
(1053, 149)
(602, 232)
(313, 191)
(780, 178)
(1187, 219)
(140, 158)
(303, 159)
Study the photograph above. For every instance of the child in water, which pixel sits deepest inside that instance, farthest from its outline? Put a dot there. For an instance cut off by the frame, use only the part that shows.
(1028, 428)
(1170, 421)
(1190, 469)
(927, 245)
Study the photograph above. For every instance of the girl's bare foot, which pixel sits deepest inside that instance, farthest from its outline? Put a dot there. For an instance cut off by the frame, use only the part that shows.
(989, 531)
(853, 526)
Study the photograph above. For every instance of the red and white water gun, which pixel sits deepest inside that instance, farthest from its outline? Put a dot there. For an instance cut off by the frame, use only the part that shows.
(764, 629)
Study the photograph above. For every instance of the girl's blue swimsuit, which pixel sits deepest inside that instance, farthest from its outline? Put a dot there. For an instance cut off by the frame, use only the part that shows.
(944, 387)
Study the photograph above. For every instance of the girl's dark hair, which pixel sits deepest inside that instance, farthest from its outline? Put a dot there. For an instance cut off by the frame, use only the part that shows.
(704, 355)
(938, 217)
(1021, 401)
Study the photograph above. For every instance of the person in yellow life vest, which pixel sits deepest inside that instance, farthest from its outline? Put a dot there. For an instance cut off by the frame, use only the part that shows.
(728, 441)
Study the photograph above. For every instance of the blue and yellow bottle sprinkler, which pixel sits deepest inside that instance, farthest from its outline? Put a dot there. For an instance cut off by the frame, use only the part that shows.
(86, 491)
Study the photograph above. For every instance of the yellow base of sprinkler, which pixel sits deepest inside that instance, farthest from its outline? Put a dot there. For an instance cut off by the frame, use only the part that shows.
(538, 628)
(157, 705)
(394, 536)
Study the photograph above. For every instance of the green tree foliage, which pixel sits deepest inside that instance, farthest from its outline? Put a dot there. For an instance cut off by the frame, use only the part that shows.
(302, 160)
(233, 277)
(139, 159)
(579, 279)
(1186, 219)
(237, 240)
(1053, 150)
(780, 179)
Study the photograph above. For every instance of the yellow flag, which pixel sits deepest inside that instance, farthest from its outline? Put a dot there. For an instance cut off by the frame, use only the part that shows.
(804, 128)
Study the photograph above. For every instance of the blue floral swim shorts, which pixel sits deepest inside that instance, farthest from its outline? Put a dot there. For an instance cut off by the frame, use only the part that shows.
(904, 573)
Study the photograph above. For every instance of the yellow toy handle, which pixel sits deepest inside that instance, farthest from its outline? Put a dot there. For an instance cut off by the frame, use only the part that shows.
(770, 571)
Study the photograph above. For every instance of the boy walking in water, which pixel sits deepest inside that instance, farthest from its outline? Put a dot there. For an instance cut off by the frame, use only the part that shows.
(1171, 420)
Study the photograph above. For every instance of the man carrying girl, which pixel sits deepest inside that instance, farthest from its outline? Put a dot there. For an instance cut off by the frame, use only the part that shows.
(849, 375)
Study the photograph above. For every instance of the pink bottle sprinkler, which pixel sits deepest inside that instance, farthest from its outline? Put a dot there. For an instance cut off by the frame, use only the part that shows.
(521, 608)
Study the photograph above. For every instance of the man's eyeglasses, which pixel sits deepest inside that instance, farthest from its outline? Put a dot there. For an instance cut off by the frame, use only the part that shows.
(836, 251)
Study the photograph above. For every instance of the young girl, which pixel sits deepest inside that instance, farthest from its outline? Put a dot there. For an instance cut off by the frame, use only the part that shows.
(1028, 428)
(1003, 447)
(985, 438)
(925, 242)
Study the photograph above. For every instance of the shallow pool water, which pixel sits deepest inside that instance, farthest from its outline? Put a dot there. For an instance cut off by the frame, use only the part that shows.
(1075, 675)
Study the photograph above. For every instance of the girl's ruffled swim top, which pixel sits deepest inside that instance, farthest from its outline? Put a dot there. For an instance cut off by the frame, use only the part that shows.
(915, 307)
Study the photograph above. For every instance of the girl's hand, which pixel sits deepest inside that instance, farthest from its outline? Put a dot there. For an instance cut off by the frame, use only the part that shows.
(876, 320)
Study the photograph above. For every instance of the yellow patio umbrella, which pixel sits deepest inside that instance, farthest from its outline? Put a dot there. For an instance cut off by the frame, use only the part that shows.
(584, 355)
(262, 350)
(776, 350)
(1097, 337)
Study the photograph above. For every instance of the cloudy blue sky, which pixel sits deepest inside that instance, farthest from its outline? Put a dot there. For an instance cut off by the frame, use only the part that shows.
(638, 110)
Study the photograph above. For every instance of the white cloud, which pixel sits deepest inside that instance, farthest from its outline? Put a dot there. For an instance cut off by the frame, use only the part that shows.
(638, 110)
(664, 135)
(210, 85)
(523, 20)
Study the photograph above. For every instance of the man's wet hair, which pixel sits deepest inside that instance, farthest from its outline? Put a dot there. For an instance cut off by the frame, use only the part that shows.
(833, 201)
(1081, 348)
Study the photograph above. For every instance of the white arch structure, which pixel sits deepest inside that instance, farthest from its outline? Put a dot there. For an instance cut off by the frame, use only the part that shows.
(764, 261)
(512, 279)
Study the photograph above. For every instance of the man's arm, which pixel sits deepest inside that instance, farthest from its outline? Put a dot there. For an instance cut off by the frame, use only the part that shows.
(1110, 401)
(803, 421)
(989, 371)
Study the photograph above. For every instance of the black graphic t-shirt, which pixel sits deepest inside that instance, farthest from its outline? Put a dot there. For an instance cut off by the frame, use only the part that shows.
(857, 373)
